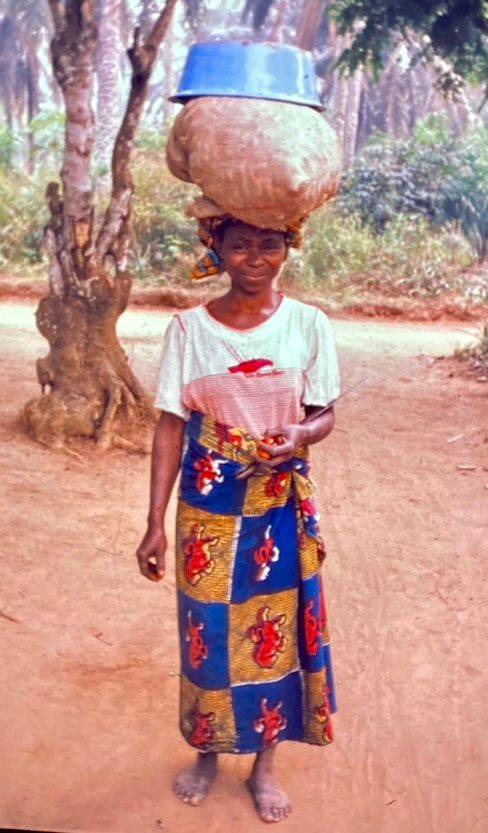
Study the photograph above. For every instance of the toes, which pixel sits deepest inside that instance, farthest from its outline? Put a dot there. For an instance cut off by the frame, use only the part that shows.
(181, 792)
(196, 799)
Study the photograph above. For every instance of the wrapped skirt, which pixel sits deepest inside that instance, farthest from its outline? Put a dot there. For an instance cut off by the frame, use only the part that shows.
(255, 655)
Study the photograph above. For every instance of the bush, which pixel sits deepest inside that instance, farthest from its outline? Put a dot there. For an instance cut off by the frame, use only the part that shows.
(342, 256)
(23, 214)
(162, 231)
(433, 175)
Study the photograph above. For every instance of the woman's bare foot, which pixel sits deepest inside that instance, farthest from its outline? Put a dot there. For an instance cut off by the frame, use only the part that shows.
(193, 784)
(270, 801)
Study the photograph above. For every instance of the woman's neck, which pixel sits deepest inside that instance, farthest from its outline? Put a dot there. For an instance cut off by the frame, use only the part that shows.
(243, 310)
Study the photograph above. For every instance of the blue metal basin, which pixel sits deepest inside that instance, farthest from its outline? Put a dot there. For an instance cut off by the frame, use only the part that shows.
(249, 70)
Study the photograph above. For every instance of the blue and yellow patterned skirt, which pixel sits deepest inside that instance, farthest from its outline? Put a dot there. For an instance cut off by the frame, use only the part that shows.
(255, 656)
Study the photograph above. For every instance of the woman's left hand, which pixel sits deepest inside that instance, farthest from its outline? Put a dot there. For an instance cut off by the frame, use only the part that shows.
(280, 444)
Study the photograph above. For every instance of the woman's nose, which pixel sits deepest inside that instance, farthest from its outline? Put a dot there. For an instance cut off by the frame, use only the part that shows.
(254, 255)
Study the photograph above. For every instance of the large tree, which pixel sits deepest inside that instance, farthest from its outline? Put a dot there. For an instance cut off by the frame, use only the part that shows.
(109, 23)
(456, 30)
(24, 29)
(90, 387)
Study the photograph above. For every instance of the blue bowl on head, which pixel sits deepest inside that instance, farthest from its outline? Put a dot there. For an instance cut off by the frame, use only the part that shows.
(241, 69)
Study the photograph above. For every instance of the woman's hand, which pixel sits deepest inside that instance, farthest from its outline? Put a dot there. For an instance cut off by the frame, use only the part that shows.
(151, 553)
(281, 444)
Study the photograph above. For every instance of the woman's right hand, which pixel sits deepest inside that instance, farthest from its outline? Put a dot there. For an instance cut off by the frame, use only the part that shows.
(151, 553)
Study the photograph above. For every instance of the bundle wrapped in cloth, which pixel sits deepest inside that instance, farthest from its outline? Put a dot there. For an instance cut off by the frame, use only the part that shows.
(268, 163)
(252, 136)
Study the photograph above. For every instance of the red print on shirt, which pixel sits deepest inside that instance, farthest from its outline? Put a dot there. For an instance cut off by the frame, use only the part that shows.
(249, 367)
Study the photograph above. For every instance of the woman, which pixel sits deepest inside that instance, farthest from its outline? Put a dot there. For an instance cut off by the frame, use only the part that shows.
(236, 377)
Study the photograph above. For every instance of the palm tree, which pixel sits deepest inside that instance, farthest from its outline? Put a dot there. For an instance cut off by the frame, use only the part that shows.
(109, 50)
(25, 27)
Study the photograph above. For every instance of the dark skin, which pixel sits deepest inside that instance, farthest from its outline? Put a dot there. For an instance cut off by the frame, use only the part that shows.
(253, 259)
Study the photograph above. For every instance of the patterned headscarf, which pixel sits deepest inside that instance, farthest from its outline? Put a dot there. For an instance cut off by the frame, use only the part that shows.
(211, 263)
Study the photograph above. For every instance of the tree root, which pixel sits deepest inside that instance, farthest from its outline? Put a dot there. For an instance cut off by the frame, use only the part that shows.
(101, 408)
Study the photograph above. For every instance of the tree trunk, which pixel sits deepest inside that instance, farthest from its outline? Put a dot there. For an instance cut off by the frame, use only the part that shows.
(91, 389)
(108, 76)
(310, 21)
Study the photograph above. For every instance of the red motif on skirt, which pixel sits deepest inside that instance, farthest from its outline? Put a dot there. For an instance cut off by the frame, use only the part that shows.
(311, 630)
(208, 473)
(203, 733)
(323, 716)
(198, 558)
(270, 723)
(275, 485)
(268, 637)
(197, 651)
(265, 555)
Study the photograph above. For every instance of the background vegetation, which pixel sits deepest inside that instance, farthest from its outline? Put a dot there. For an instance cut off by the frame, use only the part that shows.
(411, 220)
(407, 100)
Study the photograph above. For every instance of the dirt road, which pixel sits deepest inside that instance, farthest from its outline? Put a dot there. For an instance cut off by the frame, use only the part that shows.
(90, 686)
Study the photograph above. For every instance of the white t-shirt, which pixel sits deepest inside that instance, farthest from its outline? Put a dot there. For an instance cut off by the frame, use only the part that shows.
(254, 379)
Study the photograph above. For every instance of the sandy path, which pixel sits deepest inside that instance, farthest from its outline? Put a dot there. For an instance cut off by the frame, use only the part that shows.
(89, 703)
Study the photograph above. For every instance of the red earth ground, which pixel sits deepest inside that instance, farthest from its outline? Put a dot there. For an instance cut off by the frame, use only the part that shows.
(90, 684)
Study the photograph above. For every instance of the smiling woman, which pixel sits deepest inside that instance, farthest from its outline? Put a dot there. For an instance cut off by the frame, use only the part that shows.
(238, 376)
(240, 381)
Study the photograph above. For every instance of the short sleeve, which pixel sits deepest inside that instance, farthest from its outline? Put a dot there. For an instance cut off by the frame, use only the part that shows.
(170, 379)
(322, 379)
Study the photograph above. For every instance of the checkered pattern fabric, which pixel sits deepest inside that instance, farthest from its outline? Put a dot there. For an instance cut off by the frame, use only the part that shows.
(255, 655)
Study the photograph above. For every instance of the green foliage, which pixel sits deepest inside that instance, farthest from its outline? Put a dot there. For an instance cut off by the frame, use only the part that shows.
(22, 217)
(162, 232)
(342, 256)
(47, 131)
(432, 175)
(7, 142)
(350, 251)
(454, 29)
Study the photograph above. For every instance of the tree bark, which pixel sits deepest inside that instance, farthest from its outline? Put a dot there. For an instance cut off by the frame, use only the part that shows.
(88, 387)
(310, 21)
(108, 77)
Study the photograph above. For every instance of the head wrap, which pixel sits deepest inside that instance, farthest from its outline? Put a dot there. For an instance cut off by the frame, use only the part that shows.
(211, 263)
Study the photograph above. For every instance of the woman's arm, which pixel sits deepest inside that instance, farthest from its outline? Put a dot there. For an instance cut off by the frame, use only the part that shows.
(317, 428)
(165, 465)
(288, 438)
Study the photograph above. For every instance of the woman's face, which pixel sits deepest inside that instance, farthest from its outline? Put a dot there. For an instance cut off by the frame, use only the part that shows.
(253, 257)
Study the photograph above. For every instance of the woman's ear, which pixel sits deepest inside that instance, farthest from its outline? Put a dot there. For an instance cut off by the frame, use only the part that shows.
(217, 244)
